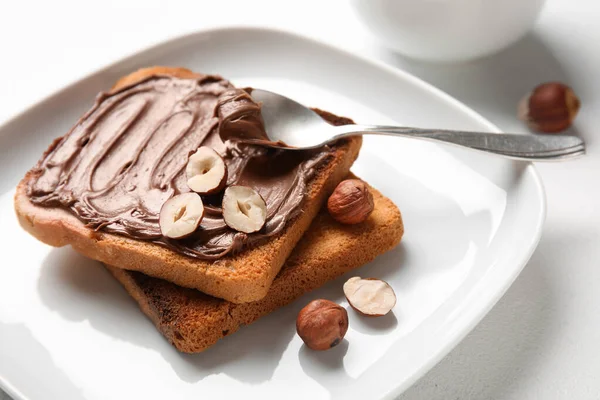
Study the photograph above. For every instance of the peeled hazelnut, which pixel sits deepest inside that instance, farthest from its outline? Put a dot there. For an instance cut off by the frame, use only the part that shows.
(372, 297)
(551, 107)
(322, 324)
(180, 215)
(206, 171)
(351, 202)
(244, 209)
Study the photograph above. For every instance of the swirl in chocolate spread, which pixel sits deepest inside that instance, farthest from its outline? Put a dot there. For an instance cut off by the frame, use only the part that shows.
(240, 117)
(126, 156)
(241, 120)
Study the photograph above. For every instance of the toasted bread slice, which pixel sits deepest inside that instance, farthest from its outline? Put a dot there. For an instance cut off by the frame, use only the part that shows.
(193, 321)
(238, 278)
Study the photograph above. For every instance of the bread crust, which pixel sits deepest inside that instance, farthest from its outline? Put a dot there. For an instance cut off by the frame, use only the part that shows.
(193, 321)
(239, 278)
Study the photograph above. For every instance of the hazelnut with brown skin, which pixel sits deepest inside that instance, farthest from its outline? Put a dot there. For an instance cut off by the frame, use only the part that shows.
(322, 324)
(551, 107)
(351, 202)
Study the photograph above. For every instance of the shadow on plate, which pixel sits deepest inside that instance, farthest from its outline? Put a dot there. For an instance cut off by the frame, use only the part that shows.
(256, 345)
(331, 359)
(80, 289)
(83, 290)
(327, 367)
(55, 384)
(373, 325)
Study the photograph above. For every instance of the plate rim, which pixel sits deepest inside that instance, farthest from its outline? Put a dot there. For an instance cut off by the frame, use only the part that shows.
(477, 311)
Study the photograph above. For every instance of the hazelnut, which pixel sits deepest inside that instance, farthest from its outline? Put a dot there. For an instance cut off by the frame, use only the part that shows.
(351, 202)
(322, 324)
(244, 209)
(206, 171)
(370, 296)
(551, 107)
(180, 215)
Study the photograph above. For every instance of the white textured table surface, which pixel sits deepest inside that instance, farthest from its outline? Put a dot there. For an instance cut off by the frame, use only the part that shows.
(541, 340)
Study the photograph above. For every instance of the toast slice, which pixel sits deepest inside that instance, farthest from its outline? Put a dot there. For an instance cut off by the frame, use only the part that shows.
(193, 321)
(239, 278)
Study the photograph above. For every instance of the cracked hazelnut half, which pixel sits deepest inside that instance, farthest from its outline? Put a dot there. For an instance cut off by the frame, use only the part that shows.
(180, 215)
(244, 209)
(351, 202)
(206, 171)
(322, 324)
(372, 297)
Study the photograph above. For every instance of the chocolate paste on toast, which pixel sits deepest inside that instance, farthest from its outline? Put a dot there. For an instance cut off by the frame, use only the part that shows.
(127, 155)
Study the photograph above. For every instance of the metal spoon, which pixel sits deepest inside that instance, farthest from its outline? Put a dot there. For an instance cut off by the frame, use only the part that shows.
(291, 125)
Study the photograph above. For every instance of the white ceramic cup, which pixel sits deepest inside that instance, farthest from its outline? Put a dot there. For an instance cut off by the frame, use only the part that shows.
(448, 30)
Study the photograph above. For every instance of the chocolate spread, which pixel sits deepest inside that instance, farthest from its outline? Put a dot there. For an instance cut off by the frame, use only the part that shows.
(127, 155)
(241, 120)
(240, 117)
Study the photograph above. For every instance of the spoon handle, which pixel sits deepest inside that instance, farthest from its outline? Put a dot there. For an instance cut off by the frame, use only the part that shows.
(521, 147)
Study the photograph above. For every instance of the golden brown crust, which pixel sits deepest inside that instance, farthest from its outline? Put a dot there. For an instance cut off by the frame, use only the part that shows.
(143, 73)
(240, 278)
(193, 321)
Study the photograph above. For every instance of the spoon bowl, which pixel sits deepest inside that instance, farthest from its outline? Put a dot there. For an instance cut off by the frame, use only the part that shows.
(292, 123)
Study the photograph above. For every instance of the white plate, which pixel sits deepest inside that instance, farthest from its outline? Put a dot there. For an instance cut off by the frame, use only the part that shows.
(68, 330)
